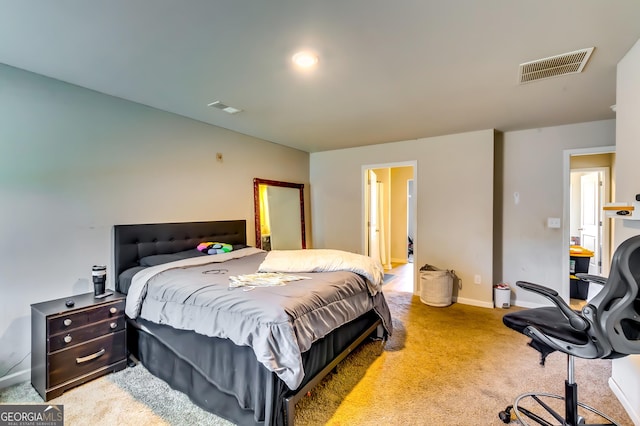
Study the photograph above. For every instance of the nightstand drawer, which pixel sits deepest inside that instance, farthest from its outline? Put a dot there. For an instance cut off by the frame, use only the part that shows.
(61, 323)
(82, 334)
(75, 361)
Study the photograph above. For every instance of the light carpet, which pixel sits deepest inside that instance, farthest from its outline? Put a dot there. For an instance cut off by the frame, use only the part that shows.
(457, 365)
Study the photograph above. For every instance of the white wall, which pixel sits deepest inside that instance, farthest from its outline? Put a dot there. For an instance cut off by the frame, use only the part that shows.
(628, 139)
(74, 162)
(454, 190)
(533, 168)
(626, 372)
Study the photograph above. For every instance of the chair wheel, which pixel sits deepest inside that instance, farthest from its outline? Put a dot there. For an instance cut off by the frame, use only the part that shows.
(505, 415)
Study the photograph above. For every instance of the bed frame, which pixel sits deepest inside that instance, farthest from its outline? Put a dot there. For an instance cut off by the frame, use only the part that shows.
(165, 353)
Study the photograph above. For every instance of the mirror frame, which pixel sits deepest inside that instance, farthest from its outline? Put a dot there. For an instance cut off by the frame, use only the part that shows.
(256, 205)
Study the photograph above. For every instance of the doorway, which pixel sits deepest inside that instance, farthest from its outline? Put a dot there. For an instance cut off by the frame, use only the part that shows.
(590, 189)
(389, 213)
(588, 179)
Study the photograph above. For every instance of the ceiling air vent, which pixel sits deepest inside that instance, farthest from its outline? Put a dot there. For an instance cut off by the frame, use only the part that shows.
(226, 108)
(553, 66)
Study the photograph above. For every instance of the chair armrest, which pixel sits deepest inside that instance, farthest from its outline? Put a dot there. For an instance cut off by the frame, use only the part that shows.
(540, 289)
(575, 320)
(593, 278)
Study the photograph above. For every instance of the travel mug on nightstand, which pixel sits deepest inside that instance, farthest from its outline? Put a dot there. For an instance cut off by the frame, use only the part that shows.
(99, 274)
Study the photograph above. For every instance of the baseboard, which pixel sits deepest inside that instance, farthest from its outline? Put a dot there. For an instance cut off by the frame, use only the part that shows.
(15, 378)
(633, 415)
(473, 302)
(399, 260)
(530, 305)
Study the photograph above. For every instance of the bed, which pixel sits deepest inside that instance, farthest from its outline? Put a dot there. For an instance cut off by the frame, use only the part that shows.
(270, 352)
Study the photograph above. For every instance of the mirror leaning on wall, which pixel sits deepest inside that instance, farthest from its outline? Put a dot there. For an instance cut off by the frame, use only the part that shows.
(279, 214)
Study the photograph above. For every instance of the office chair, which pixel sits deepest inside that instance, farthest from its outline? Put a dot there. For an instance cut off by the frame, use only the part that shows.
(607, 327)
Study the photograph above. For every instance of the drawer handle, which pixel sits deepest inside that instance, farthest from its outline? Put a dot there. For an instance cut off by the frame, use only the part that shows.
(67, 338)
(91, 357)
(113, 325)
(113, 310)
(67, 322)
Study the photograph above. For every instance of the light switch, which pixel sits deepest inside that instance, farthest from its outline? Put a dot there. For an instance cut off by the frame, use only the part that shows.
(553, 222)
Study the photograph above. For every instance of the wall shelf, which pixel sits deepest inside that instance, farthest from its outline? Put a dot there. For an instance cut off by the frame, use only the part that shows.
(629, 211)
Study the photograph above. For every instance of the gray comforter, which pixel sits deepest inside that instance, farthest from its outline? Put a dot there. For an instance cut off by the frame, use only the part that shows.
(279, 323)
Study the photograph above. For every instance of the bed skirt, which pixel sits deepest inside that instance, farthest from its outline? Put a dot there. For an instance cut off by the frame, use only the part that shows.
(226, 379)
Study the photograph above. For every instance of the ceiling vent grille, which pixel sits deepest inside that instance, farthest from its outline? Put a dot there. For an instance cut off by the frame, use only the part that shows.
(554, 66)
(226, 108)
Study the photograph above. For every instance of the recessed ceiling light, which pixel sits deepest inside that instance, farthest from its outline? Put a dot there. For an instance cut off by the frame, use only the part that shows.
(305, 59)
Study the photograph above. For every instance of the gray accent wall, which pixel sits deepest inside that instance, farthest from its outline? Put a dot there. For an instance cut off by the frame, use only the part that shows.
(454, 197)
(74, 162)
(533, 169)
(459, 194)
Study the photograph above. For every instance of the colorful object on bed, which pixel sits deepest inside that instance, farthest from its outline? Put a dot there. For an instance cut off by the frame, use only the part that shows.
(214, 248)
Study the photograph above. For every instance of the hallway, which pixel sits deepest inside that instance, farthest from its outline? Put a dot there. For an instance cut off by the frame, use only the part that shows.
(403, 277)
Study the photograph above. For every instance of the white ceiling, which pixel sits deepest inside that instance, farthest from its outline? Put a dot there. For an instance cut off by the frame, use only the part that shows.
(389, 70)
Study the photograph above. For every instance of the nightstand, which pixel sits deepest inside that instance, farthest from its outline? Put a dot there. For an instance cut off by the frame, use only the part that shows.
(72, 345)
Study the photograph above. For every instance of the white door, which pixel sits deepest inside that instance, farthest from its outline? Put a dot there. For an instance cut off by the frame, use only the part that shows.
(590, 221)
(373, 230)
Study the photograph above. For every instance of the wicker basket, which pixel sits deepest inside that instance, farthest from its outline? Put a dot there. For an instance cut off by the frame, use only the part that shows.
(436, 286)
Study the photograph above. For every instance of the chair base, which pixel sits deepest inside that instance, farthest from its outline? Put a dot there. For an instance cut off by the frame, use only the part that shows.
(521, 413)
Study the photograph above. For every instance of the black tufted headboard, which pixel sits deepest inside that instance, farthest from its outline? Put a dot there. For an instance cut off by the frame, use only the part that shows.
(133, 242)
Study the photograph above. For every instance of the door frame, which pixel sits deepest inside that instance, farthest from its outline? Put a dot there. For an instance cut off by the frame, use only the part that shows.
(368, 219)
(566, 204)
(605, 228)
(364, 199)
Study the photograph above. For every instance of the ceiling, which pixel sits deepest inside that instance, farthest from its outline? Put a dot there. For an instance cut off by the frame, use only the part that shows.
(388, 70)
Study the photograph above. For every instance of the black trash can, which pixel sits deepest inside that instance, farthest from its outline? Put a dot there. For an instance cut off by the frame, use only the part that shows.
(579, 264)
(578, 289)
(579, 260)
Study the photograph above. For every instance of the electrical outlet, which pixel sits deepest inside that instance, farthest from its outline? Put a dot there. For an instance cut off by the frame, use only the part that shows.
(477, 279)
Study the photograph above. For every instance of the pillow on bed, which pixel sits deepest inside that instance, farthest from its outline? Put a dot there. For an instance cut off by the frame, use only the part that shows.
(158, 259)
(124, 281)
(209, 247)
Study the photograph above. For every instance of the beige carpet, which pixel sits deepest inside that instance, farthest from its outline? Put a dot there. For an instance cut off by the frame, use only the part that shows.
(443, 366)
(448, 366)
